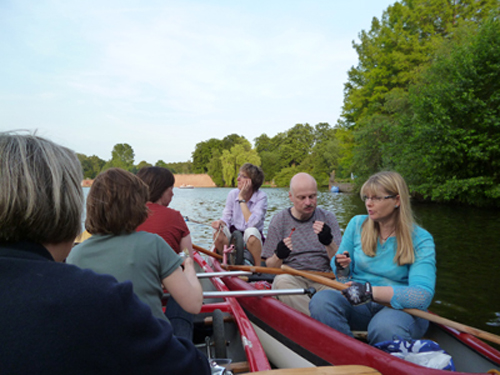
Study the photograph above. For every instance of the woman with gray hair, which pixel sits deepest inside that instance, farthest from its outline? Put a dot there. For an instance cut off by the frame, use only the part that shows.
(64, 319)
(386, 259)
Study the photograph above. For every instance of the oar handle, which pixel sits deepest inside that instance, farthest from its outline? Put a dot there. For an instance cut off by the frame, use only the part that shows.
(207, 252)
(415, 312)
(314, 277)
(274, 271)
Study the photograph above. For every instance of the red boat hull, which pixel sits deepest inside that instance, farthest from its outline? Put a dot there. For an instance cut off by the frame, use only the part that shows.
(323, 345)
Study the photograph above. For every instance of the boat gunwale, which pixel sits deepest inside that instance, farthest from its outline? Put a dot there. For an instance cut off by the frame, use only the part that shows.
(256, 356)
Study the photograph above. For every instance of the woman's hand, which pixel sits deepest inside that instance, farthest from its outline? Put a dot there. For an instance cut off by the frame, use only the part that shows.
(358, 293)
(342, 261)
(217, 224)
(246, 190)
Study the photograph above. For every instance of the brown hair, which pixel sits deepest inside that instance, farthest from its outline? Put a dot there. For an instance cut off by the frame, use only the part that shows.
(255, 173)
(116, 203)
(41, 199)
(158, 179)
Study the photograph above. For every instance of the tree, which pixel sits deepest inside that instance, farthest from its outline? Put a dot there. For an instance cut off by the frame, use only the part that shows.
(91, 165)
(122, 156)
(203, 153)
(232, 160)
(391, 55)
(215, 168)
(297, 144)
(452, 139)
(142, 164)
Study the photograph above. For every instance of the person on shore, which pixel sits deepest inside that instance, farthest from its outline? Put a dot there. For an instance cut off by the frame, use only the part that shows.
(304, 237)
(58, 318)
(245, 211)
(116, 206)
(169, 224)
(388, 259)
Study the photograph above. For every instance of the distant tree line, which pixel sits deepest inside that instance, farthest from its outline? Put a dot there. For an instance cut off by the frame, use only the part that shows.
(122, 156)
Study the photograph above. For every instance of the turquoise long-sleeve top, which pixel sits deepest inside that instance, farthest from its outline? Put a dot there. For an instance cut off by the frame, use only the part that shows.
(413, 284)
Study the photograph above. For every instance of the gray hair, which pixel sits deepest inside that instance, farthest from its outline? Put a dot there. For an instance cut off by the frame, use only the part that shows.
(41, 199)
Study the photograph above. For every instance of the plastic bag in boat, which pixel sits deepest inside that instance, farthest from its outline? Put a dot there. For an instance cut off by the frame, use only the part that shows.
(426, 353)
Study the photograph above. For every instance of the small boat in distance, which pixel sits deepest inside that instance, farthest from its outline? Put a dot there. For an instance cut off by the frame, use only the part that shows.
(183, 186)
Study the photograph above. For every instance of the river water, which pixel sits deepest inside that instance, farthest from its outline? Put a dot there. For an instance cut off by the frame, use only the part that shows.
(467, 245)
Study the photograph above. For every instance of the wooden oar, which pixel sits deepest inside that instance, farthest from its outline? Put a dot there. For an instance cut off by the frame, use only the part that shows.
(419, 313)
(207, 252)
(272, 270)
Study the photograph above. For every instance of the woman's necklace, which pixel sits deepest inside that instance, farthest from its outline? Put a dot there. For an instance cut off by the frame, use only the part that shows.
(382, 239)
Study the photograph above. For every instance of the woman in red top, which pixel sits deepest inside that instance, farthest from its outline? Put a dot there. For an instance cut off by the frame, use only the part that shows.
(170, 225)
(166, 222)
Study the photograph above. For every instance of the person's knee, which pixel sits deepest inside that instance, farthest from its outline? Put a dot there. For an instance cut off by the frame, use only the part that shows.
(386, 327)
(252, 241)
(282, 282)
(319, 301)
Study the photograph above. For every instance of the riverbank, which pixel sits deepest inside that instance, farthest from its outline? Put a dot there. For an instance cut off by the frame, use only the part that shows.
(194, 180)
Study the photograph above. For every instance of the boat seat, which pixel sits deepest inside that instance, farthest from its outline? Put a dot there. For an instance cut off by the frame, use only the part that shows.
(323, 370)
(239, 367)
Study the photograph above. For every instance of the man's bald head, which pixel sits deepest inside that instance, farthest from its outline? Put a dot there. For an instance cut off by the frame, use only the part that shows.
(302, 179)
(303, 194)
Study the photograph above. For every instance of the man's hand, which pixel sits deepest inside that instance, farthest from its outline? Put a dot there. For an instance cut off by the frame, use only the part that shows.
(358, 294)
(282, 251)
(324, 232)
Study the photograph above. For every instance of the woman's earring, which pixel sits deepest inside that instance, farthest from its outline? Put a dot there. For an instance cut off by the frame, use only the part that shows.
(396, 206)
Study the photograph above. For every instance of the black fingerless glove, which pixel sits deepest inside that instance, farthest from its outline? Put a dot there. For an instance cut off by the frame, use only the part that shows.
(358, 294)
(282, 251)
(325, 236)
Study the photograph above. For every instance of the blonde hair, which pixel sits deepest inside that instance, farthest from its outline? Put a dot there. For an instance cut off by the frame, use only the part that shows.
(393, 184)
(41, 199)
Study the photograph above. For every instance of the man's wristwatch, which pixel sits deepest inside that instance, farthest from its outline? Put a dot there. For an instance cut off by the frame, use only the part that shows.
(242, 201)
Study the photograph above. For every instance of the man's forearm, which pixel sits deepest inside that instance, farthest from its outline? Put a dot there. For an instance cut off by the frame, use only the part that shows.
(274, 262)
(331, 250)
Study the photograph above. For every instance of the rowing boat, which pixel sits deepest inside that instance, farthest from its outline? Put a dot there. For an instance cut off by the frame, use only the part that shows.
(293, 340)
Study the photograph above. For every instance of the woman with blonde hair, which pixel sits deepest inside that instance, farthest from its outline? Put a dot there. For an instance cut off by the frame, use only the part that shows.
(386, 258)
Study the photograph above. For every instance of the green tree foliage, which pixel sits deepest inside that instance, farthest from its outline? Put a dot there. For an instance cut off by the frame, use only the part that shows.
(215, 168)
(452, 139)
(161, 163)
(185, 167)
(391, 55)
(283, 178)
(203, 153)
(142, 164)
(232, 140)
(233, 159)
(267, 148)
(91, 165)
(122, 156)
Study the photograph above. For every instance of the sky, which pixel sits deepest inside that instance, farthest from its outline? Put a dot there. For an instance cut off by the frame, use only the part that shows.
(164, 75)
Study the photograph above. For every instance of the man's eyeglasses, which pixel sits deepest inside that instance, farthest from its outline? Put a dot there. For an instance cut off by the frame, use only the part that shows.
(377, 198)
(242, 176)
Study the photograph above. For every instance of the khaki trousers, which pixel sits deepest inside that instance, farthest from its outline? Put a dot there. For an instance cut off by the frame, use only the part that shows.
(298, 302)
